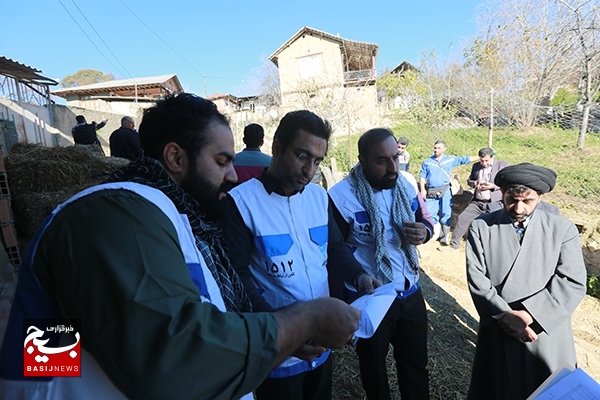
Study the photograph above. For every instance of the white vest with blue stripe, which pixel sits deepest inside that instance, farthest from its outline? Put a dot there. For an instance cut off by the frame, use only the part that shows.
(30, 295)
(289, 260)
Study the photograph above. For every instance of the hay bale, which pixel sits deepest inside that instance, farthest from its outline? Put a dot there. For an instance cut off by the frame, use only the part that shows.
(32, 168)
(40, 178)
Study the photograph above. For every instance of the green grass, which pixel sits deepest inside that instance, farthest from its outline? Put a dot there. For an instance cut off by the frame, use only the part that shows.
(578, 170)
(593, 286)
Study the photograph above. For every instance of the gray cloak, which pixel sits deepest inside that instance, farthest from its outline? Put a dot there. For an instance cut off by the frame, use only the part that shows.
(545, 275)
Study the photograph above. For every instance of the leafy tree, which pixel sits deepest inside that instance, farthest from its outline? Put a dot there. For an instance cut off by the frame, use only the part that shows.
(86, 77)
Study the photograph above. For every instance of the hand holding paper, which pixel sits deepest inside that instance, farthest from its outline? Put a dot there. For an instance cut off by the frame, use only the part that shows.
(373, 308)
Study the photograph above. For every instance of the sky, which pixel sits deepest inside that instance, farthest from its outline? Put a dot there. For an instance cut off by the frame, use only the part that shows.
(218, 46)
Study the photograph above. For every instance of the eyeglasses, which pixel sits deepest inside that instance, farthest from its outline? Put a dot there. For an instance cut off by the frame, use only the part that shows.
(307, 161)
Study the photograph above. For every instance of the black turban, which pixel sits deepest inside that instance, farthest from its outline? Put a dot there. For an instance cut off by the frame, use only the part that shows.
(535, 177)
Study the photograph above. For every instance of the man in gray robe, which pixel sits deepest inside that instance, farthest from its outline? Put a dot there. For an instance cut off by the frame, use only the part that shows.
(526, 276)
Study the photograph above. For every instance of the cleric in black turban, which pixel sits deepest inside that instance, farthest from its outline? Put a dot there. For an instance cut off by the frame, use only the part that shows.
(538, 178)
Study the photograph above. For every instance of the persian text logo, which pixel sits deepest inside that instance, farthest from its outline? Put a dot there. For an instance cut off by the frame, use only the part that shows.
(53, 350)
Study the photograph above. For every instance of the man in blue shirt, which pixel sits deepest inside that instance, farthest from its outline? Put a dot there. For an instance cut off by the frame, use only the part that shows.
(434, 184)
(250, 162)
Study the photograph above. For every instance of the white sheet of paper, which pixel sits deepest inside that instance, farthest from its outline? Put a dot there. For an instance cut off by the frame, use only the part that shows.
(373, 308)
(577, 385)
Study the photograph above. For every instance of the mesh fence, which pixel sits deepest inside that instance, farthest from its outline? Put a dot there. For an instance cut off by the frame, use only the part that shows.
(522, 131)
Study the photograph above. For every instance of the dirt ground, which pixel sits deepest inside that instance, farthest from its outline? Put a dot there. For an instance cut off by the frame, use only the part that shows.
(448, 299)
(453, 319)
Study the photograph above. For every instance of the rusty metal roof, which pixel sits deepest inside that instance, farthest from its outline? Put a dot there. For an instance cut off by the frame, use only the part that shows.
(124, 84)
(23, 72)
(352, 50)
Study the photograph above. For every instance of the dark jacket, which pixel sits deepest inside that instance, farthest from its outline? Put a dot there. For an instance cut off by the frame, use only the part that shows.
(86, 133)
(496, 166)
(125, 143)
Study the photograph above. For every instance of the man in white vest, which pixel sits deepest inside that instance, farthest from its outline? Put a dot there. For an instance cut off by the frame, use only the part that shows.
(383, 217)
(138, 261)
(282, 242)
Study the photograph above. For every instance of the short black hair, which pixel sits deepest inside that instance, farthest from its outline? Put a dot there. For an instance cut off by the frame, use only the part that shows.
(403, 141)
(254, 135)
(371, 137)
(126, 118)
(80, 119)
(486, 151)
(181, 118)
(294, 121)
(440, 142)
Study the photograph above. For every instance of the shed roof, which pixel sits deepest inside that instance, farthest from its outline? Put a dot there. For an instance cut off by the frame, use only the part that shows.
(23, 72)
(123, 84)
(352, 50)
(404, 66)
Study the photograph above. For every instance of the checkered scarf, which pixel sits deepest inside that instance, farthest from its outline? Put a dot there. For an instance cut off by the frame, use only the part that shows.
(150, 172)
(401, 211)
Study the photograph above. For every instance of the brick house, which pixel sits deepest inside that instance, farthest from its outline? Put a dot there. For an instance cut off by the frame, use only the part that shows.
(330, 75)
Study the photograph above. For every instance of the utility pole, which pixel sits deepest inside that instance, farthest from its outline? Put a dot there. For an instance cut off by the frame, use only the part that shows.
(491, 128)
(204, 80)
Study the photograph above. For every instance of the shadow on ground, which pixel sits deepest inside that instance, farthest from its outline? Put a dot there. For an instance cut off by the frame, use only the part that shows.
(451, 346)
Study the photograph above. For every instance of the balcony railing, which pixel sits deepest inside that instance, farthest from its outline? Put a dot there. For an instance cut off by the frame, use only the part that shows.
(359, 76)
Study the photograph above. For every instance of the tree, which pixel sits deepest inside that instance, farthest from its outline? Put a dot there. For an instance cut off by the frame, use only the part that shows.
(524, 53)
(266, 83)
(582, 25)
(85, 77)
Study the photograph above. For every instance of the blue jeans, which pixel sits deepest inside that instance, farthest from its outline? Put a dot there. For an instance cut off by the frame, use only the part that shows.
(440, 209)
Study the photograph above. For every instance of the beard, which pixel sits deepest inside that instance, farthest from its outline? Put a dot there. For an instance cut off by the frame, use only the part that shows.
(518, 217)
(206, 194)
(388, 181)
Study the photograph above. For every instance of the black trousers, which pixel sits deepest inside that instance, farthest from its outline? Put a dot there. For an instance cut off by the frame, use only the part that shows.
(310, 385)
(405, 327)
(472, 211)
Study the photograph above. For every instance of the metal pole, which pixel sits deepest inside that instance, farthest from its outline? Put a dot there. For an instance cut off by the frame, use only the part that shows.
(204, 80)
(491, 129)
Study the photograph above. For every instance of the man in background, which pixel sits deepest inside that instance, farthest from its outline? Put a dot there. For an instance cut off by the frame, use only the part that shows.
(383, 217)
(403, 154)
(526, 275)
(250, 162)
(434, 183)
(125, 141)
(84, 134)
(481, 179)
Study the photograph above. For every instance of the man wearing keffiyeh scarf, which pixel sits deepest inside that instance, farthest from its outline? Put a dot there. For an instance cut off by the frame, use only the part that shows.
(383, 217)
(148, 171)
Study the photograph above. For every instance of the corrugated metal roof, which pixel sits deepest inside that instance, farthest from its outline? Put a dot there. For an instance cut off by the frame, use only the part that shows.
(146, 82)
(23, 72)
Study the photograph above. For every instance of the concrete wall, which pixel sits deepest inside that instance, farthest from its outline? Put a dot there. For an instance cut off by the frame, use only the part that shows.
(33, 123)
(52, 126)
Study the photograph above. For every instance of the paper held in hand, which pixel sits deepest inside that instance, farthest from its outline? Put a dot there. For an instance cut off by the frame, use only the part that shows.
(373, 308)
